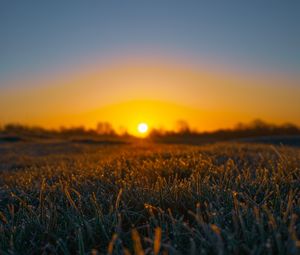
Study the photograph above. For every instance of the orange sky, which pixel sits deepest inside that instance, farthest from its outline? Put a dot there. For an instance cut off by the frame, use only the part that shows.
(156, 92)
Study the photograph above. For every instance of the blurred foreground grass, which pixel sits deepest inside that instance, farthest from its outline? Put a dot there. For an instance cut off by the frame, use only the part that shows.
(149, 199)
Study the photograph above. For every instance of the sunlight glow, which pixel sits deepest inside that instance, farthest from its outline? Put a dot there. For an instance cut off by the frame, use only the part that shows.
(142, 128)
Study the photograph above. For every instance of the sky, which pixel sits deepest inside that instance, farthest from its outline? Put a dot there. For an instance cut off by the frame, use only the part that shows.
(212, 63)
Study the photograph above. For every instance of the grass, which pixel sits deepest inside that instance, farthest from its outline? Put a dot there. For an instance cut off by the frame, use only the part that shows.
(149, 199)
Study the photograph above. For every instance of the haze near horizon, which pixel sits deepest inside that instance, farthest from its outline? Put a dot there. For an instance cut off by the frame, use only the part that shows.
(212, 65)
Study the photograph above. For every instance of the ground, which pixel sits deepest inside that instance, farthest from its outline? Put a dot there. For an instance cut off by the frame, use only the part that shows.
(59, 197)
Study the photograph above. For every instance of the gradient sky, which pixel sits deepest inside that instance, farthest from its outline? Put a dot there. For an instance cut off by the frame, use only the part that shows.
(229, 60)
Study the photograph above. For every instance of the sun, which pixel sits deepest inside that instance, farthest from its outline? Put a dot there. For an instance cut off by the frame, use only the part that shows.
(142, 128)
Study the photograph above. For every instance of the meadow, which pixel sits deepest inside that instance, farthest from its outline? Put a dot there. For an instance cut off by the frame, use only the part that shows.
(79, 198)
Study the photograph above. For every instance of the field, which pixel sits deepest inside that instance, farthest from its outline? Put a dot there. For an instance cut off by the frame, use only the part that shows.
(81, 198)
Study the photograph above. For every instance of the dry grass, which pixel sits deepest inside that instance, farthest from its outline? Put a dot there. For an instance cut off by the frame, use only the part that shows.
(217, 199)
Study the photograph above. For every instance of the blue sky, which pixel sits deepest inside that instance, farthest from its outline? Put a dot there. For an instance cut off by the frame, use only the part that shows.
(50, 36)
